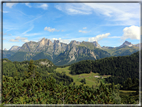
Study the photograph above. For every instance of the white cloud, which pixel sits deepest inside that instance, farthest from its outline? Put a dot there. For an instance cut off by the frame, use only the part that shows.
(32, 20)
(27, 4)
(82, 31)
(13, 40)
(43, 6)
(28, 30)
(61, 40)
(124, 13)
(132, 32)
(98, 37)
(58, 7)
(80, 39)
(10, 4)
(85, 28)
(115, 37)
(50, 29)
(54, 39)
(19, 38)
(74, 8)
(118, 13)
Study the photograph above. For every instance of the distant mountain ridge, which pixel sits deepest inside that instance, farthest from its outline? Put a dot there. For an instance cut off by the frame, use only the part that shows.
(61, 53)
(126, 43)
(14, 48)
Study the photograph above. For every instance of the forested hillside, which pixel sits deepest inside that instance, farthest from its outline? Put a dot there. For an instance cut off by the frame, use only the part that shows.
(120, 68)
(41, 87)
(43, 67)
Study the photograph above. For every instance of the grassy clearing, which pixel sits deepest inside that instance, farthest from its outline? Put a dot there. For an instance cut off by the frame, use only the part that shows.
(90, 79)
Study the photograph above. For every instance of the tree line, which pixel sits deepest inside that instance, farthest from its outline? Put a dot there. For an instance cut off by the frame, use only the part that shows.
(120, 68)
(32, 89)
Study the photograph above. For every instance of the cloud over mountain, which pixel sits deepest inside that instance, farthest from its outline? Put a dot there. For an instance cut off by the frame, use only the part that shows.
(132, 32)
(98, 37)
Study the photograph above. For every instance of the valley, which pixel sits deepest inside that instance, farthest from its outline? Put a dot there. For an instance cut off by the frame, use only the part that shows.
(86, 76)
(70, 53)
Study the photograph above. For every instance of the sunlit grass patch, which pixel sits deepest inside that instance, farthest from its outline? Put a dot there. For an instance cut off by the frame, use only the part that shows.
(90, 78)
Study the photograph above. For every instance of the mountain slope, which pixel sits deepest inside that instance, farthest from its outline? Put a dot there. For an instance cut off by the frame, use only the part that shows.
(126, 50)
(63, 54)
(7, 54)
(19, 56)
(14, 48)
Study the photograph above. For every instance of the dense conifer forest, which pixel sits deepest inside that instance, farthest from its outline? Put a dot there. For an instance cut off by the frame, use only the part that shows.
(32, 82)
(120, 68)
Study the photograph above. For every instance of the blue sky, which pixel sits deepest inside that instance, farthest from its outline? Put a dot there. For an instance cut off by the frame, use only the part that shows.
(110, 24)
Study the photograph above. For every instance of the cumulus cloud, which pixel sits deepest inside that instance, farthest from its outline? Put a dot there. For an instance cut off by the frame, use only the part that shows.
(115, 37)
(19, 38)
(27, 4)
(132, 32)
(82, 31)
(85, 28)
(98, 37)
(43, 6)
(50, 29)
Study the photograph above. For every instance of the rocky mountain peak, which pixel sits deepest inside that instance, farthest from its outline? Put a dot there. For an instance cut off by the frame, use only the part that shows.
(56, 41)
(74, 42)
(44, 42)
(96, 44)
(126, 43)
(14, 48)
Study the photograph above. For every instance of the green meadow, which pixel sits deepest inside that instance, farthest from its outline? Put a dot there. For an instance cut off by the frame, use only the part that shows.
(90, 79)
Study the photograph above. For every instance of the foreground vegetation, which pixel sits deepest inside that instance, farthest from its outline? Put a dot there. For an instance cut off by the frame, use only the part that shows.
(120, 68)
(32, 89)
(40, 82)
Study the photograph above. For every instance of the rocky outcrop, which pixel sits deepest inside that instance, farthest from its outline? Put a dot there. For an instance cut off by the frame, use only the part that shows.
(96, 44)
(126, 43)
(29, 47)
(14, 48)
(62, 53)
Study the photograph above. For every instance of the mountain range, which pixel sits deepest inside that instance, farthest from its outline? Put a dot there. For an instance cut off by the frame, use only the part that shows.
(62, 54)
